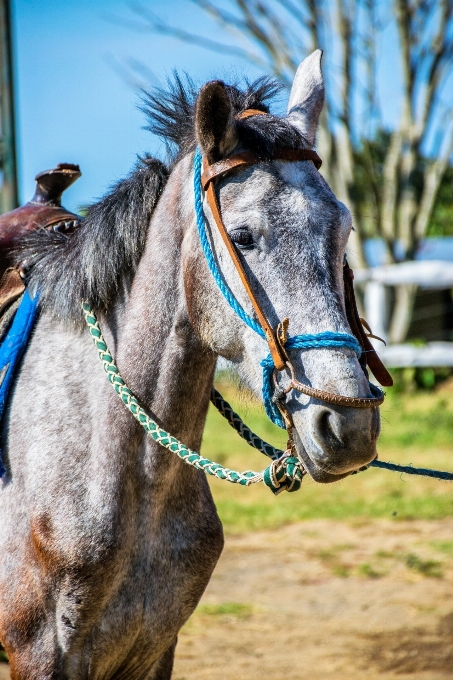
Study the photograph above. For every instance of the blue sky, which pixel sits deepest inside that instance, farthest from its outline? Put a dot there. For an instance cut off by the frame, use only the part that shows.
(73, 103)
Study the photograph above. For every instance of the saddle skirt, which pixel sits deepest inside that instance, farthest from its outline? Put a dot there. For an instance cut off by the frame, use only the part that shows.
(44, 211)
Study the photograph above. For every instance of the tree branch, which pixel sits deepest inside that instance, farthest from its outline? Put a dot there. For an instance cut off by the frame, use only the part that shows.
(432, 179)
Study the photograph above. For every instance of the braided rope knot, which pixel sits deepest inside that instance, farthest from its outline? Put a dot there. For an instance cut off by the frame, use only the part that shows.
(284, 474)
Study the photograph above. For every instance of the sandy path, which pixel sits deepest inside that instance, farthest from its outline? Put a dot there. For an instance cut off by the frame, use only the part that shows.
(324, 600)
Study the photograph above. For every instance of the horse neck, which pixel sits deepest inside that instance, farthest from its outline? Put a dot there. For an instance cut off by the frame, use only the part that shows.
(158, 353)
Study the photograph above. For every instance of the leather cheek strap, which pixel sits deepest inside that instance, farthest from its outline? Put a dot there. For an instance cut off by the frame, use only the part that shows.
(278, 355)
(369, 355)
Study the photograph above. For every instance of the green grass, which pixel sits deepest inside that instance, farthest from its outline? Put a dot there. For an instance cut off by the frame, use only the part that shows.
(368, 571)
(430, 568)
(237, 610)
(417, 429)
(385, 555)
(430, 425)
(443, 546)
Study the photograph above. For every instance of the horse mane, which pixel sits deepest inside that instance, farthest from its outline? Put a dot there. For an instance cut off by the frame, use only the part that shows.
(100, 258)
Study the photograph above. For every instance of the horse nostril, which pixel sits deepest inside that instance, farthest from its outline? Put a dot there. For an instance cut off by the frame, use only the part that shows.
(335, 440)
(326, 430)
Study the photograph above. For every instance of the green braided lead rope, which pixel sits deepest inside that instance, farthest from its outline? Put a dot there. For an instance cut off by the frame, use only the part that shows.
(286, 473)
(241, 428)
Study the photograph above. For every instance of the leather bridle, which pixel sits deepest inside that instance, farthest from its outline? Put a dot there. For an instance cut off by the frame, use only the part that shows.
(276, 337)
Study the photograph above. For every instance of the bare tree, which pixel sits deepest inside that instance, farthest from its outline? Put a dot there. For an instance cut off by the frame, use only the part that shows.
(389, 179)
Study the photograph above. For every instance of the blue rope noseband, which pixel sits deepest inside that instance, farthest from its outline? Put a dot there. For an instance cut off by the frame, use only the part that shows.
(318, 341)
(324, 340)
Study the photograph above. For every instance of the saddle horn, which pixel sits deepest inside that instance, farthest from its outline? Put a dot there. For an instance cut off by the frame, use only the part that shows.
(50, 184)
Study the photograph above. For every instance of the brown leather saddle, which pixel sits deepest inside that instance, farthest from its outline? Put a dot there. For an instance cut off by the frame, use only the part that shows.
(44, 211)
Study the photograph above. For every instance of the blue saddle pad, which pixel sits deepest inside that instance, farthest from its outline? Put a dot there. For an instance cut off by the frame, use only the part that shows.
(12, 349)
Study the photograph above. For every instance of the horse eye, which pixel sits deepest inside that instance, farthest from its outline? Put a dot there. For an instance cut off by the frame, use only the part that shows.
(242, 238)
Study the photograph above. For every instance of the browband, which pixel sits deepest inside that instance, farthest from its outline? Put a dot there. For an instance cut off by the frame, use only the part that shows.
(247, 158)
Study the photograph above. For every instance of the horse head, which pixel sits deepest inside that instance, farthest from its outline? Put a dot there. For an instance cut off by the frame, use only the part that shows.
(291, 233)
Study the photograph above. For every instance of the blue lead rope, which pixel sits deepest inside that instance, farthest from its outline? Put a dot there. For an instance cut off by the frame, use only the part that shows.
(409, 470)
(304, 342)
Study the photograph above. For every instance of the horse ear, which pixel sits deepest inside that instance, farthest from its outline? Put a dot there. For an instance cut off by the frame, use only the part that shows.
(307, 96)
(214, 121)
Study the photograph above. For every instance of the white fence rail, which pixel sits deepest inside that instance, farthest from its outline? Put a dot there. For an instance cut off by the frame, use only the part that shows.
(431, 354)
(427, 274)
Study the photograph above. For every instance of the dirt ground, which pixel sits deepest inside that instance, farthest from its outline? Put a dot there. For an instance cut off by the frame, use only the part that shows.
(323, 599)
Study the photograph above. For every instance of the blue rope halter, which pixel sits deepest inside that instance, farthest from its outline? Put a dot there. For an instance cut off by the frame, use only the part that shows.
(309, 341)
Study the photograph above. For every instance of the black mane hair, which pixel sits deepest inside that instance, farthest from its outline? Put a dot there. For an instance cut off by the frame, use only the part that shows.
(171, 116)
(95, 262)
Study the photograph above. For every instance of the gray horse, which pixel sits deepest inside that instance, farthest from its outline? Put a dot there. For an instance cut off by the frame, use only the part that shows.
(107, 540)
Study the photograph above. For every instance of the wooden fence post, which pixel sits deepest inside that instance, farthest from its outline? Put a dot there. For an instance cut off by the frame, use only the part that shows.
(9, 198)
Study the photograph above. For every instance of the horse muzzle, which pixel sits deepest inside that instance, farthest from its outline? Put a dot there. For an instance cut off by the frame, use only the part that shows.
(334, 441)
